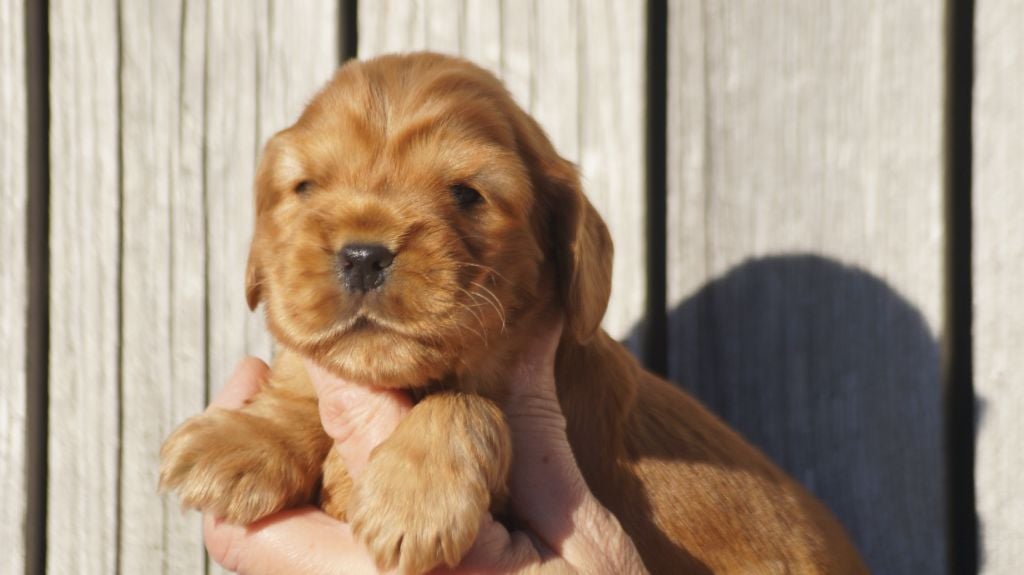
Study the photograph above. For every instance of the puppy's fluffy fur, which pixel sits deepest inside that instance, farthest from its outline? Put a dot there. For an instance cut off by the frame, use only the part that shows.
(385, 154)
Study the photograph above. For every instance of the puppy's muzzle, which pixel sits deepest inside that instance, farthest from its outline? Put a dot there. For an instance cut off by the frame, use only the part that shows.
(364, 267)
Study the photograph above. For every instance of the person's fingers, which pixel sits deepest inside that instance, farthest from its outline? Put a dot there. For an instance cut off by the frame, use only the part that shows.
(358, 417)
(302, 541)
(497, 550)
(248, 377)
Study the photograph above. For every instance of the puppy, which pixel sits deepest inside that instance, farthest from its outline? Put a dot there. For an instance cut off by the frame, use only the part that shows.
(412, 228)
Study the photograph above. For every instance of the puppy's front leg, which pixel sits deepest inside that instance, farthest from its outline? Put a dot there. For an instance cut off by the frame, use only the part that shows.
(244, 465)
(425, 489)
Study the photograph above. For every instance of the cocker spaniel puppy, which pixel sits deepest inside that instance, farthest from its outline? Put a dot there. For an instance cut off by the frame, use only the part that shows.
(411, 229)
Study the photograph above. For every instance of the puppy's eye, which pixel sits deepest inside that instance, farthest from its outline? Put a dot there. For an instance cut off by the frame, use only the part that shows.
(304, 187)
(465, 196)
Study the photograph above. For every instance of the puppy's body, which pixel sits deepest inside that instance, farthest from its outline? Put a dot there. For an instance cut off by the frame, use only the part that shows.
(694, 496)
(476, 228)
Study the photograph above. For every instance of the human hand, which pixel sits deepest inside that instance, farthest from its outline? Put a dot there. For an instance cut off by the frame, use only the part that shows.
(569, 530)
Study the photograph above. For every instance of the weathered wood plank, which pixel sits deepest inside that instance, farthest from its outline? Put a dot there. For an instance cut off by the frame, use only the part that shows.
(291, 72)
(188, 337)
(14, 281)
(579, 68)
(557, 93)
(162, 285)
(232, 144)
(518, 51)
(481, 33)
(443, 20)
(391, 26)
(999, 282)
(806, 247)
(84, 279)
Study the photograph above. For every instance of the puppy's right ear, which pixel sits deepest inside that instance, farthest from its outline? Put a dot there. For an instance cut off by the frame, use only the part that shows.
(277, 167)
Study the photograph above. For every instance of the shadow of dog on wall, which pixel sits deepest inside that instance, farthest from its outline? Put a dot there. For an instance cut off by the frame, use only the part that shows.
(837, 377)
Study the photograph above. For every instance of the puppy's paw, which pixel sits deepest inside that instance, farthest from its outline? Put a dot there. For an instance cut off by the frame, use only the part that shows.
(416, 511)
(231, 464)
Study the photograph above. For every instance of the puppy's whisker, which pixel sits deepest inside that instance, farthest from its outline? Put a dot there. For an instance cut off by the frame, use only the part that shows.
(471, 309)
(476, 314)
(488, 302)
(483, 338)
(497, 304)
(478, 300)
(482, 301)
(460, 327)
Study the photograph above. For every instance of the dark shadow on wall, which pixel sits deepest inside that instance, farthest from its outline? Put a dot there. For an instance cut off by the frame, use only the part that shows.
(837, 377)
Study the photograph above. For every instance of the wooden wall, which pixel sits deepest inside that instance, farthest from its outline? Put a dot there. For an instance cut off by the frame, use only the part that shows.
(14, 281)
(998, 121)
(808, 232)
(806, 249)
(158, 112)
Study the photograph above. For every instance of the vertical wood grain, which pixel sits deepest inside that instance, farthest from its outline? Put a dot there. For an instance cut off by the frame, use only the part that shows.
(188, 247)
(163, 300)
(557, 93)
(806, 242)
(518, 51)
(481, 33)
(998, 198)
(85, 264)
(391, 26)
(14, 274)
(444, 25)
(232, 129)
(148, 254)
(578, 67)
(292, 71)
(805, 235)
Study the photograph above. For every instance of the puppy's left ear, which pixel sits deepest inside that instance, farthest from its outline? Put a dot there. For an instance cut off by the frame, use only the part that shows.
(253, 279)
(581, 244)
(583, 249)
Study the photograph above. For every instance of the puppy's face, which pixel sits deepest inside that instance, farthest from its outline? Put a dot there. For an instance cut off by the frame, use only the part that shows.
(410, 219)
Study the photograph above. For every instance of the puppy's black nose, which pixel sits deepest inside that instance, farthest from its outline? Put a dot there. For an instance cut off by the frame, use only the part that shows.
(363, 266)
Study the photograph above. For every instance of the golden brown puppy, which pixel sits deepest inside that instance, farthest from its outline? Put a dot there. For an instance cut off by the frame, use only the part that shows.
(412, 227)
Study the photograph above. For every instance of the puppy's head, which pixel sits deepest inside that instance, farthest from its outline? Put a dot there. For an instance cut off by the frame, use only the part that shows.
(412, 218)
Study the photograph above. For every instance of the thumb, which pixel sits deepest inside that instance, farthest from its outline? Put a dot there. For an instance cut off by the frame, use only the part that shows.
(358, 417)
(548, 490)
(546, 483)
(532, 406)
